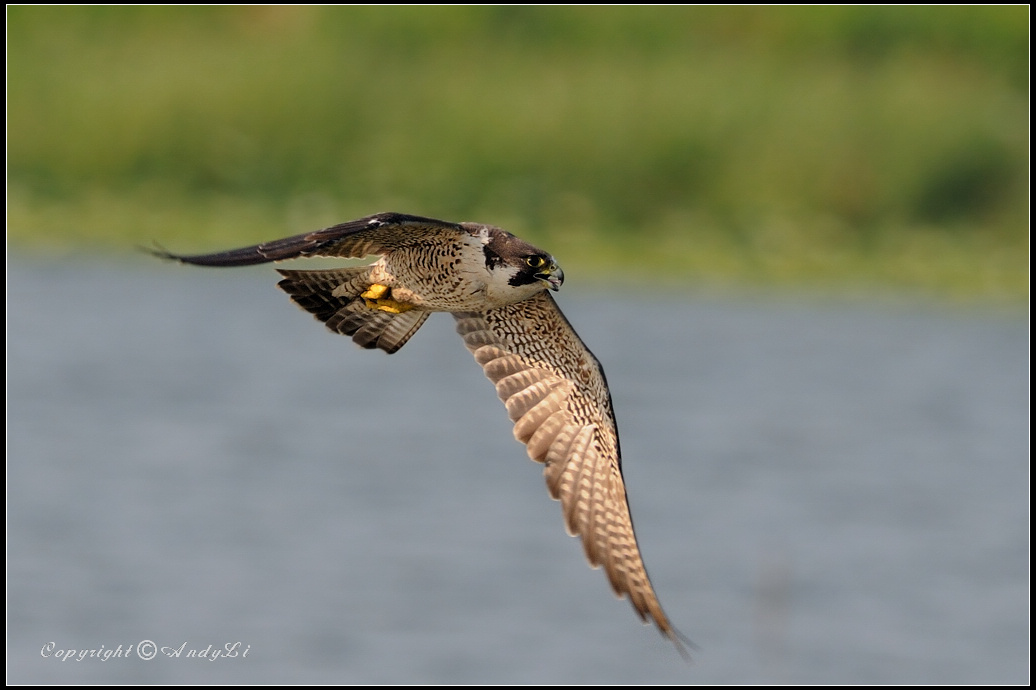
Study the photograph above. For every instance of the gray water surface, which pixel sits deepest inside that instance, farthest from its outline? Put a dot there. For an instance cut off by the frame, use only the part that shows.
(823, 493)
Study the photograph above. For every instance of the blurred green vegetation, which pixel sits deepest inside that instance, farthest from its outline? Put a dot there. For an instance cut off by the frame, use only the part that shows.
(833, 148)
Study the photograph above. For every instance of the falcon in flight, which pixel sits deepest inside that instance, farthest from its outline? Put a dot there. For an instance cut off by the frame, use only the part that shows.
(496, 286)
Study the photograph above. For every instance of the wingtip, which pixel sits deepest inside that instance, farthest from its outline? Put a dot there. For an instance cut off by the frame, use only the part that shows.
(158, 251)
(683, 644)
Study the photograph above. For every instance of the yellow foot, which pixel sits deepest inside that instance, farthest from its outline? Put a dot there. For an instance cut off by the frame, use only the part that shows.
(375, 299)
(389, 305)
(375, 291)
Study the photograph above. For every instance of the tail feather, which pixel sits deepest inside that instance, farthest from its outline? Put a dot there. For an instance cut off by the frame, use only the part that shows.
(333, 296)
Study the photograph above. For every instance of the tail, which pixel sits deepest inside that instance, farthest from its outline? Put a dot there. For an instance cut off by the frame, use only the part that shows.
(333, 296)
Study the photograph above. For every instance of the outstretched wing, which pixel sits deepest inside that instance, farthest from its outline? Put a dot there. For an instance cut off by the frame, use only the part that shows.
(556, 395)
(377, 234)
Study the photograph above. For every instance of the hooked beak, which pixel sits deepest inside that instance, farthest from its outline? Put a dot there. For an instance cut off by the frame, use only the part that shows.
(553, 276)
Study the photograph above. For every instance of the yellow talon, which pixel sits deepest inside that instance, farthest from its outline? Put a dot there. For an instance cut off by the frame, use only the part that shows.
(390, 305)
(374, 297)
(375, 291)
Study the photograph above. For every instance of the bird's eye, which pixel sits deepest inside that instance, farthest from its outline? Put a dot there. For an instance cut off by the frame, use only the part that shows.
(536, 261)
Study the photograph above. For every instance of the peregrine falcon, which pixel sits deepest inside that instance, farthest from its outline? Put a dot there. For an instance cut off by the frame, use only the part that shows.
(496, 287)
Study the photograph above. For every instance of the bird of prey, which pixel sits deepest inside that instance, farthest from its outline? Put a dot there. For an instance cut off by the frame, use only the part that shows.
(496, 287)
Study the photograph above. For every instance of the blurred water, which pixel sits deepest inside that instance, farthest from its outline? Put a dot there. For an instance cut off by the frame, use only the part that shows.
(824, 493)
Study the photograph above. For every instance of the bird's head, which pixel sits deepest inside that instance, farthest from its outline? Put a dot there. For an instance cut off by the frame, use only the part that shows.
(525, 269)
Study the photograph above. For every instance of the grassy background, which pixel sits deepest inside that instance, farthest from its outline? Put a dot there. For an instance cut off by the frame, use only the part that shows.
(826, 148)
